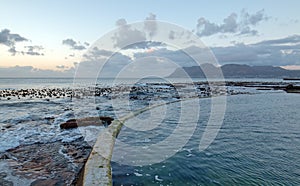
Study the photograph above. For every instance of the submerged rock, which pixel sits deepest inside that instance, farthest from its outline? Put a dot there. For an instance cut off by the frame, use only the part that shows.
(106, 119)
(48, 182)
(95, 121)
(72, 123)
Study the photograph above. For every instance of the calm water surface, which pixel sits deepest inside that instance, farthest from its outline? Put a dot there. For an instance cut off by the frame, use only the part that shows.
(258, 144)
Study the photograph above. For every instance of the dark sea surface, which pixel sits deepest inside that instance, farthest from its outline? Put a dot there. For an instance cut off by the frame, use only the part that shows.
(258, 144)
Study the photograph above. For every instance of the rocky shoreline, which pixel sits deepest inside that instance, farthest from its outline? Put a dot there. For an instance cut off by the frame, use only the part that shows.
(57, 163)
(135, 90)
(53, 163)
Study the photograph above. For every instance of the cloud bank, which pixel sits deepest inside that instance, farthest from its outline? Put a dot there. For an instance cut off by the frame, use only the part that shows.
(233, 24)
(29, 71)
(278, 52)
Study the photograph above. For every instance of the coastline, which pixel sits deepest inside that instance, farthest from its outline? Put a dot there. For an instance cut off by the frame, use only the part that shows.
(109, 134)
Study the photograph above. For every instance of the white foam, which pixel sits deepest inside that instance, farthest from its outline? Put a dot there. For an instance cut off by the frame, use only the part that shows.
(138, 174)
(157, 178)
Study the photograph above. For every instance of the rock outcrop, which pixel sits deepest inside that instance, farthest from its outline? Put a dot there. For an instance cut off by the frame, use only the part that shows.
(56, 163)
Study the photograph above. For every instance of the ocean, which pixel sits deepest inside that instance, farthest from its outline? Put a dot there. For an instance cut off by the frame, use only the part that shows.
(258, 142)
(18, 83)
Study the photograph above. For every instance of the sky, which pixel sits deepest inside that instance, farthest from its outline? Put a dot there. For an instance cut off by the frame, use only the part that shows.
(56, 35)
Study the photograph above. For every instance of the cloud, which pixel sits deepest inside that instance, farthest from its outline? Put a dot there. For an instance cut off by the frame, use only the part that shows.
(33, 50)
(12, 50)
(61, 67)
(145, 45)
(206, 28)
(96, 53)
(230, 24)
(233, 24)
(179, 35)
(103, 63)
(177, 56)
(150, 25)
(29, 71)
(127, 35)
(148, 67)
(73, 44)
(172, 35)
(121, 22)
(101, 52)
(290, 40)
(279, 52)
(102, 67)
(8, 39)
(253, 19)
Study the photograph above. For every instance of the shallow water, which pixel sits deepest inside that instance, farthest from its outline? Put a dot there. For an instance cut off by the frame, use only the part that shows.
(258, 144)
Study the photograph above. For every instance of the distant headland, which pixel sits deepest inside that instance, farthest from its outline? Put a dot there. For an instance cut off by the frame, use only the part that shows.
(235, 71)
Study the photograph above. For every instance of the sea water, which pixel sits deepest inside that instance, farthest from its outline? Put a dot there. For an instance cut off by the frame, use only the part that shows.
(258, 144)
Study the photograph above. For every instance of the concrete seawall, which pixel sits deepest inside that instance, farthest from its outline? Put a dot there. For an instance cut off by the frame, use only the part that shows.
(98, 168)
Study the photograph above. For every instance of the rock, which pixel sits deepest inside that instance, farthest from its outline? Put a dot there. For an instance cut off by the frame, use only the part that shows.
(7, 126)
(49, 118)
(69, 125)
(3, 174)
(47, 182)
(134, 97)
(89, 121)
(4, 182)
(48, 163)
(3, 157)
(106, 119)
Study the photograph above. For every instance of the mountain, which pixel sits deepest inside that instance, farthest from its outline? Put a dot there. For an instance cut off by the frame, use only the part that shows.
(235, 71)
